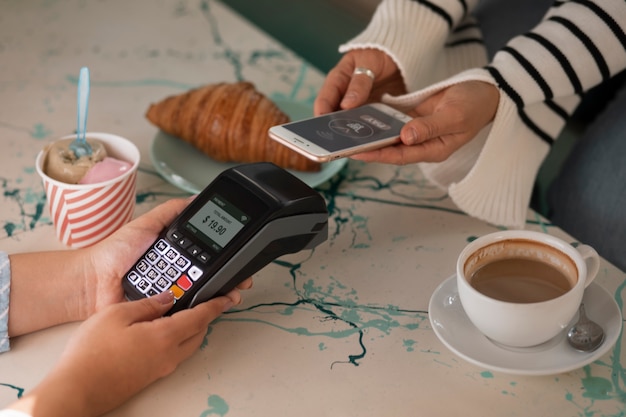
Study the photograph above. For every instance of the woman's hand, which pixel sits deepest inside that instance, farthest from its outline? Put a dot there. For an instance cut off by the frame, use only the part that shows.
(112, 257)
(343, 89)
(443, 123)
(118, 352)
(115, 255)
(55, 287)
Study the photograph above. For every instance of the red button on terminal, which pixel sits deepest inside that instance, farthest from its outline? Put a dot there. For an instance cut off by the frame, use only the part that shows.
(184, 282)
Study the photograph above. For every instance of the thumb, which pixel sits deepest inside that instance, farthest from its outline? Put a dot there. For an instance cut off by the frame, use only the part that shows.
(150, 308)
(424, 128)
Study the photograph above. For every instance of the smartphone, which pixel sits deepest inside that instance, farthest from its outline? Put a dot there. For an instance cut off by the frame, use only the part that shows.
(342, 133)
(245, 218)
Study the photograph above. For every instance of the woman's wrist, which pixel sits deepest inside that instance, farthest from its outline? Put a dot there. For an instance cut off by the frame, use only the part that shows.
(54, 396)
(47, 289)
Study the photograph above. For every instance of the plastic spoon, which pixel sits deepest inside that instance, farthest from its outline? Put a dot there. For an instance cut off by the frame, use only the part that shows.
(585, 335)
(79, 146)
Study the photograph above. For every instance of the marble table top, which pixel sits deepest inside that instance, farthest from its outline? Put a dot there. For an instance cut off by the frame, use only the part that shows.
(343, 330)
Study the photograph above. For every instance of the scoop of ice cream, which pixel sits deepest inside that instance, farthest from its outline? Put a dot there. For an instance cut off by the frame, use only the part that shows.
(62, 165)
(105, 170)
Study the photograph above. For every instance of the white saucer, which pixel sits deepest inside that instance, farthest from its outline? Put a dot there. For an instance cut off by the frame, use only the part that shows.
(187, 168)
(454, 329)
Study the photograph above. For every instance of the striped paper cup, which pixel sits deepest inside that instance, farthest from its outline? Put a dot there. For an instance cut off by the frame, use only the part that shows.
(84, 214)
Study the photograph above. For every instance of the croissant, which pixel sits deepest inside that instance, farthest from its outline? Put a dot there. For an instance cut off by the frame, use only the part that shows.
(229, 122)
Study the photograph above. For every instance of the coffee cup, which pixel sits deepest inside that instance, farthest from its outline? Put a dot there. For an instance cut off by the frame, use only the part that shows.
(522, 288)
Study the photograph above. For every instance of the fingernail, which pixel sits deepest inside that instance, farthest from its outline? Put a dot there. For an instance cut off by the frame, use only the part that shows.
(410, 137)
(227, 306)
(166, 297)
(349, 97)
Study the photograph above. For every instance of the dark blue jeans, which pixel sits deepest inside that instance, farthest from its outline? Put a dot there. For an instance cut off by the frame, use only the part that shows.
(588, 197)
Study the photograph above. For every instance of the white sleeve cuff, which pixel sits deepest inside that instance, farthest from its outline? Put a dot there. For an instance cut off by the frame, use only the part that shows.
(13, 413)
(492, 176)
(5, 287)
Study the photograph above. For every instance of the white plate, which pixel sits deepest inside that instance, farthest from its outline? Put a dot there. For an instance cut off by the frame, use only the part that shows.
(454, 329)
(191, 170)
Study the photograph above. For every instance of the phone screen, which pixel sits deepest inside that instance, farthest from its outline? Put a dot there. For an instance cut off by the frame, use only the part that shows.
(349, 128)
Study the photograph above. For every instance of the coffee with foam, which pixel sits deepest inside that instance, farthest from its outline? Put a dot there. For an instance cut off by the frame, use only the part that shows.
(521, 271)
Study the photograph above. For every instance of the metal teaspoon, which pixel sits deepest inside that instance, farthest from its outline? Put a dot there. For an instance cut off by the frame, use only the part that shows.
(585, 335)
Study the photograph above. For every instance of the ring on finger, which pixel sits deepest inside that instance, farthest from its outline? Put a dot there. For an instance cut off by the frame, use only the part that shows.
(366, 71)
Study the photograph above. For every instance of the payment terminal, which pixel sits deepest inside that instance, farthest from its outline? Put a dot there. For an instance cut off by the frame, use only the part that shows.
(245, 218)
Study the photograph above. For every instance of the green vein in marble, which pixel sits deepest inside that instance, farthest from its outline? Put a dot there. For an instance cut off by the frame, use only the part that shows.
(442, 363)
(409, 344)
(40, 131)
(9, 228)
(539, 221)
(265, 54)
(598, 388)
(337, 304)
(30, 203)
(205, 340)
(19, 390)
(297, 88)
(15, 128)
(231, 56)
(217, 407)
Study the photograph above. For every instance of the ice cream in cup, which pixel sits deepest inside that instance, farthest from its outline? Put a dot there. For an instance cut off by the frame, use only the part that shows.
(89, 197)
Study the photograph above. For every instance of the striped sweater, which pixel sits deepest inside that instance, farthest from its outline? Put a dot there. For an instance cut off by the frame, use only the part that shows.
(541, 76)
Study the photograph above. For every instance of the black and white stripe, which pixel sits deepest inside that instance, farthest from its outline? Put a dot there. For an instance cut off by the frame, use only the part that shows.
(445, 10)
(577, 46)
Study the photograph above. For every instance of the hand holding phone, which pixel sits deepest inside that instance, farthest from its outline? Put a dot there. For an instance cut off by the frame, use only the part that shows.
(342, 133)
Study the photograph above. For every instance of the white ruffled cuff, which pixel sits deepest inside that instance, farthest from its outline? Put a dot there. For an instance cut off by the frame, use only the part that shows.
(13, 413)
(492, 176)
(5, 289)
